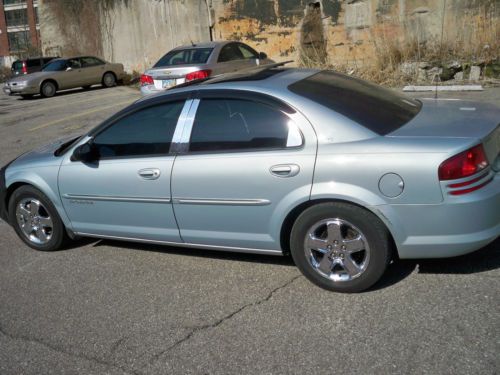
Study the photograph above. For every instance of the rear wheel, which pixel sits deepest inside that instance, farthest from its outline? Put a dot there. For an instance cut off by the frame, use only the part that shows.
(48, 89)
(36, 220)
(340, 247)
(109, 80)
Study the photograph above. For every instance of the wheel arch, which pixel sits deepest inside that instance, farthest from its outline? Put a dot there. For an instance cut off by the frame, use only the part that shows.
(292, 216)
(49, 80)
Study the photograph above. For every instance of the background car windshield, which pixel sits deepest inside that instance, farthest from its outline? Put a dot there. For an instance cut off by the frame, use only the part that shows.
(55, 66)
(185, 56)
(376, 108)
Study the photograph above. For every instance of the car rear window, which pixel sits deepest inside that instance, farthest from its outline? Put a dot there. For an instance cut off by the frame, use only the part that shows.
(17, 65)
(376, 108)
(185, 56)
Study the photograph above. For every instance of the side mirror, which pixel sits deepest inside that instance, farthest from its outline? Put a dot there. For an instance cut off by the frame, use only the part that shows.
(86, 153)
(262, 56)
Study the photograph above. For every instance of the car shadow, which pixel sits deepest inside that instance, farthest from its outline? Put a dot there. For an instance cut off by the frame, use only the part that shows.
(63, 93)
(485, 259)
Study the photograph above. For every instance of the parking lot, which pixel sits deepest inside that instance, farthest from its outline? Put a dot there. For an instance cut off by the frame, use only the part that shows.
(107, 307)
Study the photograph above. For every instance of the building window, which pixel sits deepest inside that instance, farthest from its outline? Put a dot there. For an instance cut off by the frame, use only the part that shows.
(37, 16)
(19, 40)
(16, 17)
(10, 2)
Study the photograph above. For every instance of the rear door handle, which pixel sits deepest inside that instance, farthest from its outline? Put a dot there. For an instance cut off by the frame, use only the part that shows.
(285, 170)
(149, 173)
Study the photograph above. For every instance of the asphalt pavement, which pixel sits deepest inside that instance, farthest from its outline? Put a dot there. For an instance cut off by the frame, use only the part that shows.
(107, 307)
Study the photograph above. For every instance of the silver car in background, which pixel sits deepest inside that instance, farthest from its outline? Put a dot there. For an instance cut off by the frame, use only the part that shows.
(199, 61)
(341, 173)
(65, 73)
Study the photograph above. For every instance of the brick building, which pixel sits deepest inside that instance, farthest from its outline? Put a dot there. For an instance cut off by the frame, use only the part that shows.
(19, 29)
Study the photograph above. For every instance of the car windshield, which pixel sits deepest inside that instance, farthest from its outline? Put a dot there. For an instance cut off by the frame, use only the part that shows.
(376, 108)
(185, 56)
(55, 66)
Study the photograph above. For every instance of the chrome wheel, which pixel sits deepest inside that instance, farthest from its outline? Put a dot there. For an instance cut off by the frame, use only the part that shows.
(34, 221)
(336, 250)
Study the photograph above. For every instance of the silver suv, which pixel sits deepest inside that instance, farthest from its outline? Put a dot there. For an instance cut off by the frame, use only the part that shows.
(198, 61)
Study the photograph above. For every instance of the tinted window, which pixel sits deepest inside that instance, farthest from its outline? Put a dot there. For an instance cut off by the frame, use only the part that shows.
(376, 108)
(147, 132)
(33, 62)
(55, 65)
(90, 61)
(247, 52)
(230, 52)
(185, 56)
(231, 124)
(17, 65)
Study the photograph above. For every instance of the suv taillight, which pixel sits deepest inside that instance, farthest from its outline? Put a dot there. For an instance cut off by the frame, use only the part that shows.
(24, 69)
(464, 164)
(146, 80)
(200, 74)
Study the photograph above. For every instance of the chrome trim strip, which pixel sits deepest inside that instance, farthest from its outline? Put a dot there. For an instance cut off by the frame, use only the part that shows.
(116, 199)
(222, 202)
(189, 121)
(184, 244)
(179, 128)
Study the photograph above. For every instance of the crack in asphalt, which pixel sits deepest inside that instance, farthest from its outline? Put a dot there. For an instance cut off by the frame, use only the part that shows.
(60, 350)
(204, 327)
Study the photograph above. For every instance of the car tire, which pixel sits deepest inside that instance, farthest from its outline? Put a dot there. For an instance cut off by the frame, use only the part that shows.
(108, 80)
(340, 247)
(35, 219)
(48, 89)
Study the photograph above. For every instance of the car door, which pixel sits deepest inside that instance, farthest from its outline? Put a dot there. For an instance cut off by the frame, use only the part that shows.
(126, 192)
(92, 70)
(245, 163)
(72, 77)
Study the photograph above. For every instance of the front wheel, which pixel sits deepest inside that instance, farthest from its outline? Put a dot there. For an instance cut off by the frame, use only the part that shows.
(340, 247)
(35, 219)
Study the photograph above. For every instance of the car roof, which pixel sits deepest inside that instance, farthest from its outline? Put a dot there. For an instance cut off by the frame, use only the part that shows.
(212, 44)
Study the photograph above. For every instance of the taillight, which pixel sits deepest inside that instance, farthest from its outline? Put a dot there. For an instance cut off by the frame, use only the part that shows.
(146, 80)
(24, 69)
(464, 164)
(200, 74)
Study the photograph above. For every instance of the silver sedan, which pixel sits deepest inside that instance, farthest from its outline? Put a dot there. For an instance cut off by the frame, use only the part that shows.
(341, 174)
(65, 73)
(199, 61)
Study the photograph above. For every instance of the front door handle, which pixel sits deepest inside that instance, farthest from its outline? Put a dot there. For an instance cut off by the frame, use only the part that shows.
(285, 170)
(149, 173)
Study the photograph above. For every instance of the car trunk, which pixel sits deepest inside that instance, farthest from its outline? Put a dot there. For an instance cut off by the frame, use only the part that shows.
(457, 119)
(169, 76)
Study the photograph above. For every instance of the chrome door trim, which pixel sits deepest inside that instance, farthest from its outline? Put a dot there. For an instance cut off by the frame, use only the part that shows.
(189, 121)
(222, 202)
(184, 244)
(115, 198)
(179, 128)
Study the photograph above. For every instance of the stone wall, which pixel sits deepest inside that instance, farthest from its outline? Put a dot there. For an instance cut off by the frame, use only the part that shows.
(332, 32)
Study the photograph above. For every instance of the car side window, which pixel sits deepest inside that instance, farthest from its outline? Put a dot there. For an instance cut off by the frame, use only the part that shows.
(74, 63)
(89, 61)
(241, 125)
(247, 52)
(230, 52)
(147, 132)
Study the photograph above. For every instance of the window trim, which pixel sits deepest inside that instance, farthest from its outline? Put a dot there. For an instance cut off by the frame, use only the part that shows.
(134, 109)
(235, 95)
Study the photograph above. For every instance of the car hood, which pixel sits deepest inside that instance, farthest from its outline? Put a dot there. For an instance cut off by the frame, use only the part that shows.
(30, 77)
(451, 119)
(40, 157)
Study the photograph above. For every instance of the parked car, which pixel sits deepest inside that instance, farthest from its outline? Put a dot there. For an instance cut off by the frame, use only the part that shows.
(198, 61)
(341, 173)
(30, 65)
(65, 73)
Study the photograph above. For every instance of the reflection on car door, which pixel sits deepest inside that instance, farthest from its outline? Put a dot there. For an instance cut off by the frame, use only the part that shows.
(245, 164)
(231, 59)
(126, 193)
